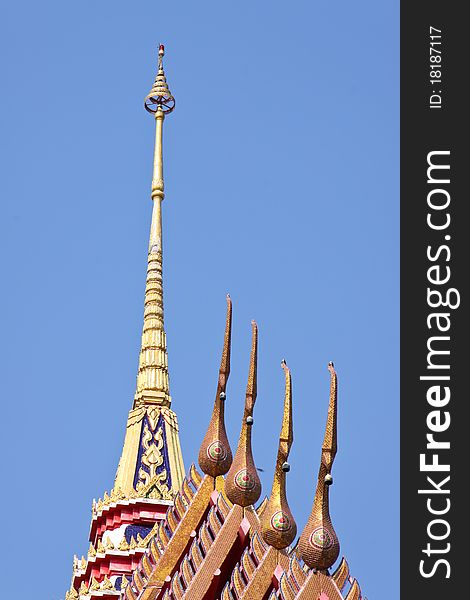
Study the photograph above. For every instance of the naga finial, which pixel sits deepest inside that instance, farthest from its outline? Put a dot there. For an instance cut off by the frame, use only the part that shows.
(215, 455)
(319, 544)
(278, 526)
(242, 484)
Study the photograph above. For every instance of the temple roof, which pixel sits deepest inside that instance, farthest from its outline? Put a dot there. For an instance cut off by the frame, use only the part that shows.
(209, 548)
(162, 535)
(215, 544)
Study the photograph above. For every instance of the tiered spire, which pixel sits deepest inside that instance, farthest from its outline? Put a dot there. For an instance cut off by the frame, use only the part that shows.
(215, 455)
(277, 523)
(150, 472)
(319, 544)
(242, 485)
(152, 379)
(151, 461)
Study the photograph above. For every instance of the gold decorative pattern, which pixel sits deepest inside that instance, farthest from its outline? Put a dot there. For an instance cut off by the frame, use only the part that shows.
(152, 483)
(215, 454)
(242, 485)
(127, 465)
(278, 525)
(319, 544)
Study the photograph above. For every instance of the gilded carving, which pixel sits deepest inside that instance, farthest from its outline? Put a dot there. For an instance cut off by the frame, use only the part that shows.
(106, 584)
(83, 590)
(152, 480)
(123, 545)
(91, 550)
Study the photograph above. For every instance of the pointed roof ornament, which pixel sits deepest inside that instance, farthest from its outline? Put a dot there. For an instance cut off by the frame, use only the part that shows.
(215, 455)
(160, 96)
(278, 526)
(319, 544)
(152, 379)
(242, 485)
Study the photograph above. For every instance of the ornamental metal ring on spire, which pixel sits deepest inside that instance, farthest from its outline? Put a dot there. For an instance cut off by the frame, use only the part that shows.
(160, 96)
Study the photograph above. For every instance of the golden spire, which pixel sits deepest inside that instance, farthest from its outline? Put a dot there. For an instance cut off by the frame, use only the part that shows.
(278, 526)
(242, 484)
(151, 463)
(152, 379)
(215, 455)
(319, 544)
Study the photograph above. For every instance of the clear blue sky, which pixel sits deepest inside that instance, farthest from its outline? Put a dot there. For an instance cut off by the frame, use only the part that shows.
(281, 168)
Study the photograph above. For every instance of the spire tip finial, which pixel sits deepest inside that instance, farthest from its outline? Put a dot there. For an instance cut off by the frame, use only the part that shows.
(160, 98)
